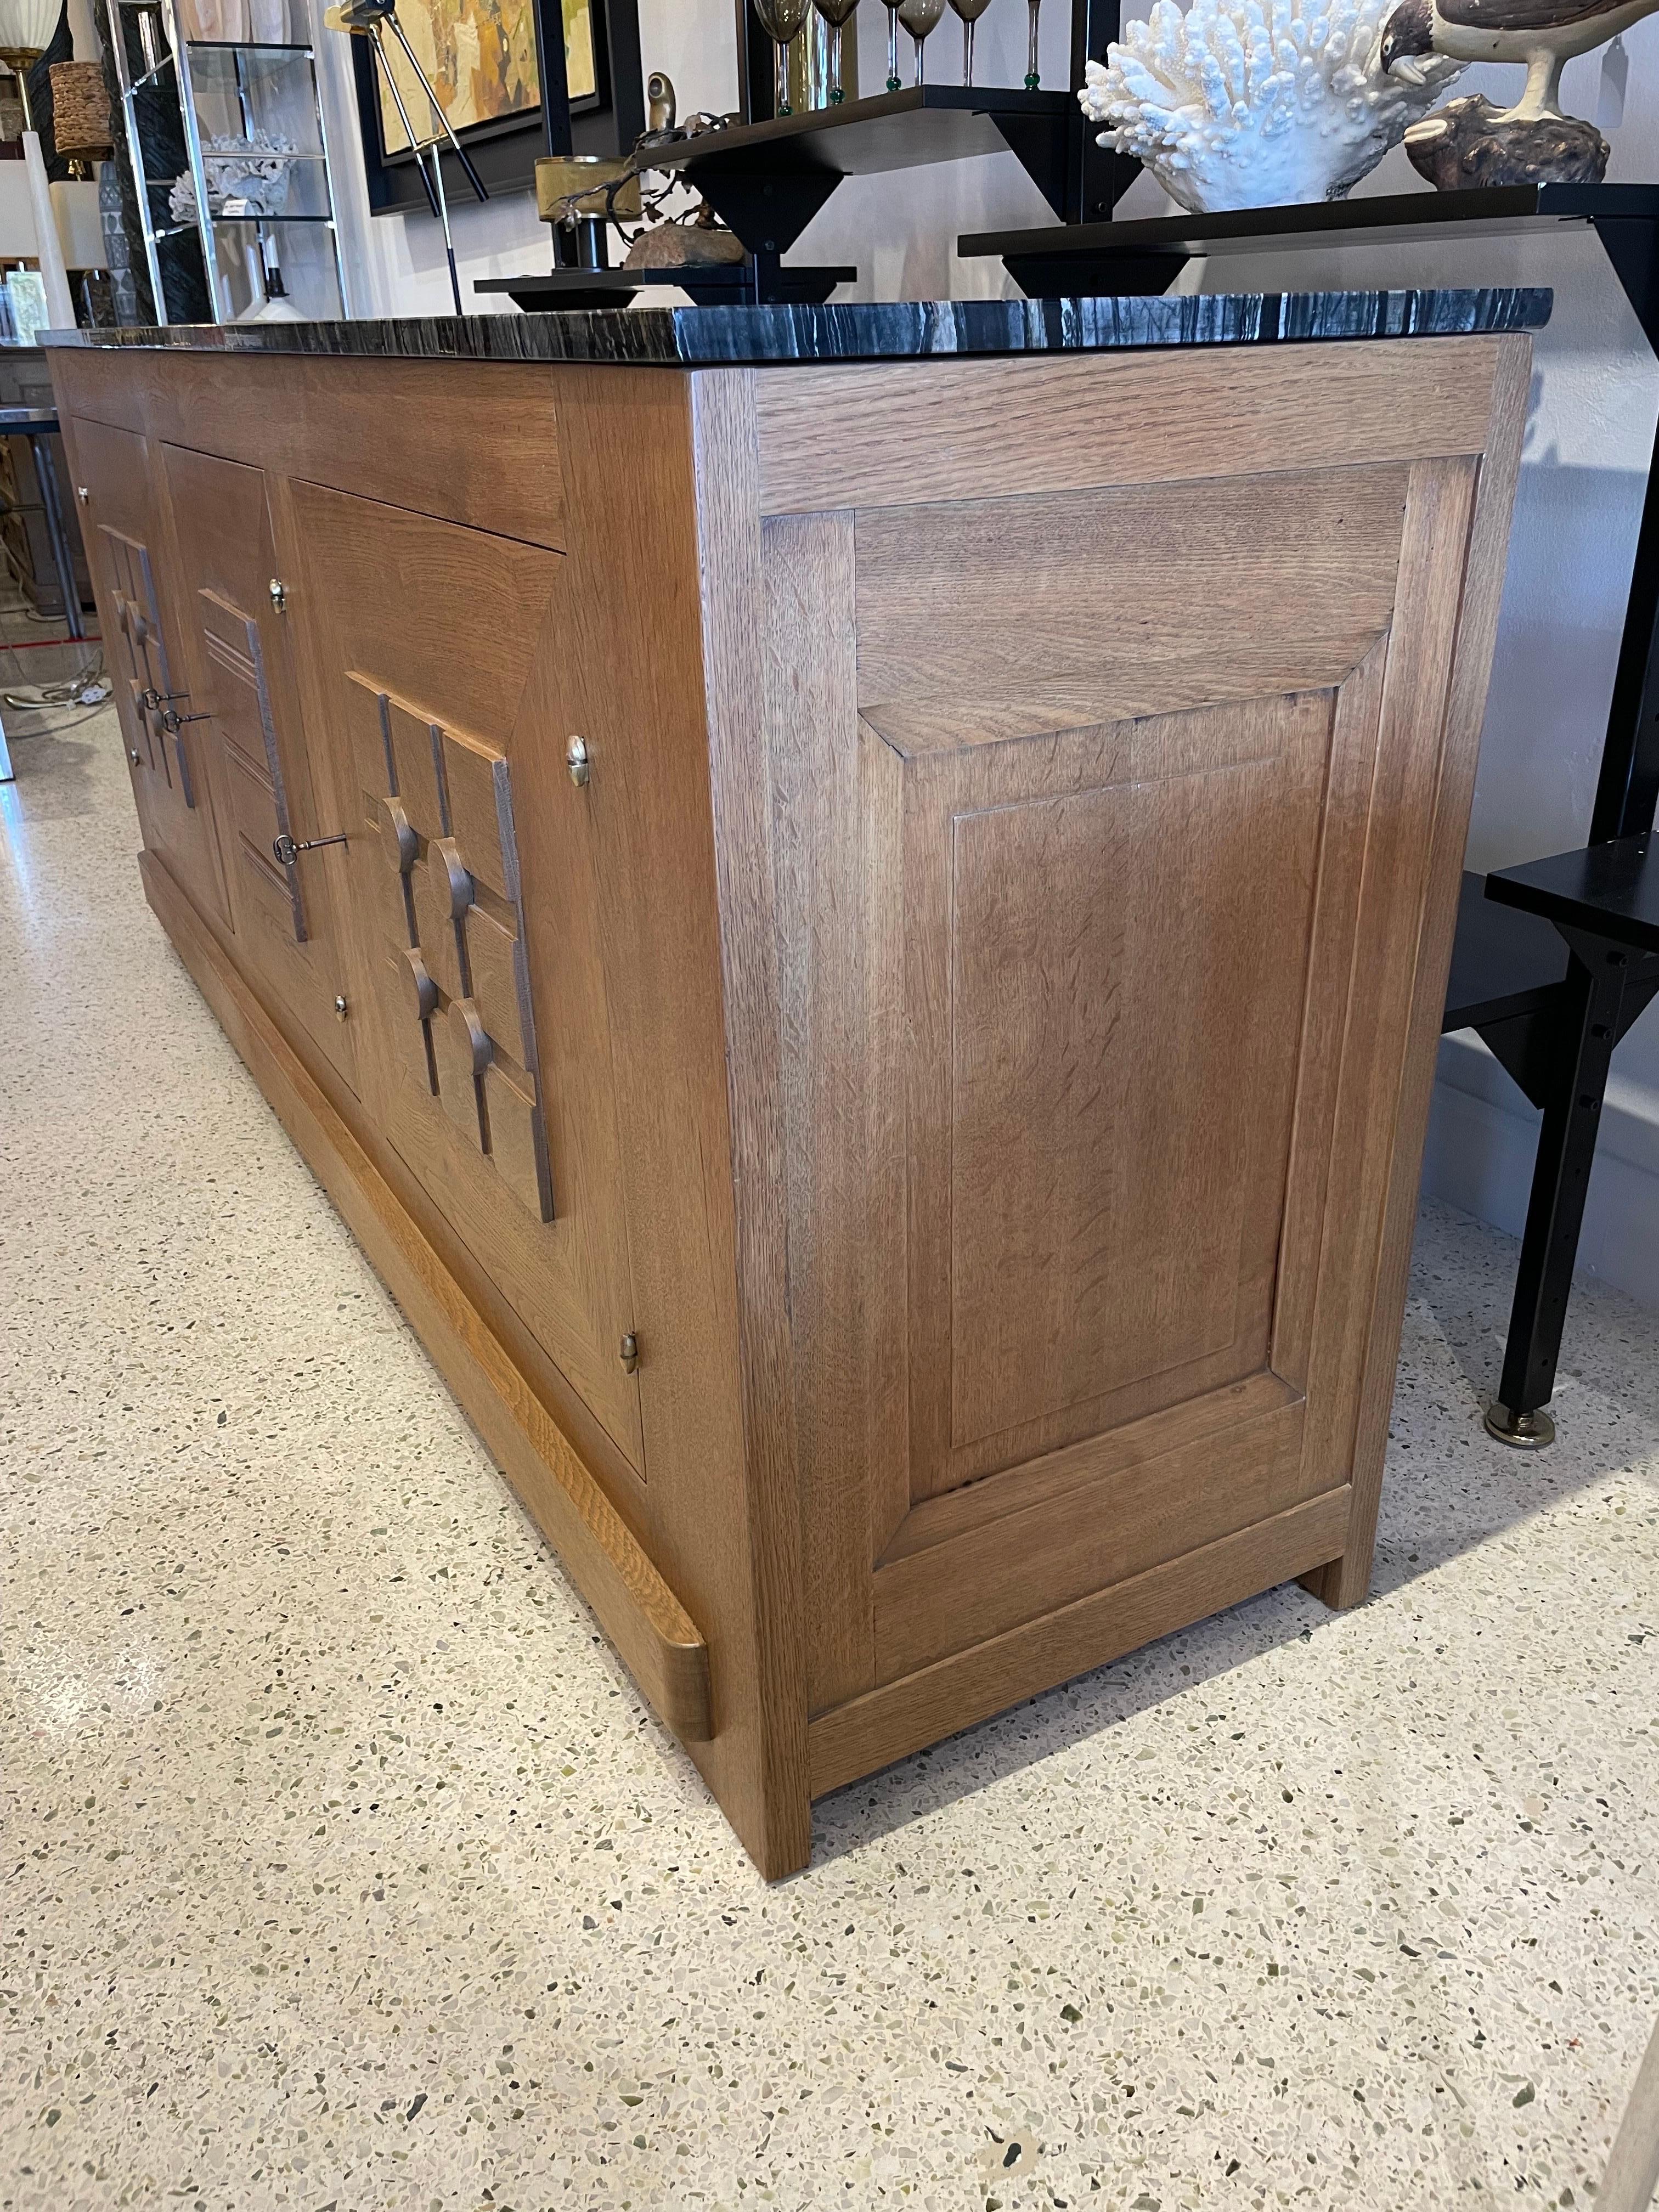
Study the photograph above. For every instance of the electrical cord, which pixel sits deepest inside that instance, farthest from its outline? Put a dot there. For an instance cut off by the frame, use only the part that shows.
(90, 678)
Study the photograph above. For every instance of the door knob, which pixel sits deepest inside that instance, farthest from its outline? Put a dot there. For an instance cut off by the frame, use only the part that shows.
(576, 760)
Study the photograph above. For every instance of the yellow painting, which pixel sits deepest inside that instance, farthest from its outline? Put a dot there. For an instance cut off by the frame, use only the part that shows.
(480, 56)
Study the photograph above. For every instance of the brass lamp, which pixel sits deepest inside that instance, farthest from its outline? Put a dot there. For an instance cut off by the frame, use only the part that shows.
(26, 31)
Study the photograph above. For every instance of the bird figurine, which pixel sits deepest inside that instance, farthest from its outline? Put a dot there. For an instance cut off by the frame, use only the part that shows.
(662, 105)
(1470, 141)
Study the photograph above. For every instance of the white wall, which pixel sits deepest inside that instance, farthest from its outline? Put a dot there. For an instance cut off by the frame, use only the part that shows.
(1596, 401)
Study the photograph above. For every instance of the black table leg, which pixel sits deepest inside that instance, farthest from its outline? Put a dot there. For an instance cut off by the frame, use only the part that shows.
(1591, 1026)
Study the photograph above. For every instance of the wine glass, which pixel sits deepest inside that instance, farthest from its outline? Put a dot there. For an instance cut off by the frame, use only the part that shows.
(1033, 77)
(836, 13)
(781, 21)
(893, 6)
(919, 17)
(970, 11)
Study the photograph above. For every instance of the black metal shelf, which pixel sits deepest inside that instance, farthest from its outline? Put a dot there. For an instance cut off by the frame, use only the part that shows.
(732, 284)
(1145, 255)
(768, 180)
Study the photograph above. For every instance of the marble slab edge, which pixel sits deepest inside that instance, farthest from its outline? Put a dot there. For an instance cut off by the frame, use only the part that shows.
(867, 331)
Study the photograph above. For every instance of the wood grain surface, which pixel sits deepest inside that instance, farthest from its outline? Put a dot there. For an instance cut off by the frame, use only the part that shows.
(862, 435)
(661, 1644)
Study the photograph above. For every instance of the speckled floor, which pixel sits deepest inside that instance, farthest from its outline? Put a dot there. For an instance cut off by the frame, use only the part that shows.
(340, 1866)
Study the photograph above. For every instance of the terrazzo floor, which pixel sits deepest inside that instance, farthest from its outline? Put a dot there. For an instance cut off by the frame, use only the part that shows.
(340, 1866)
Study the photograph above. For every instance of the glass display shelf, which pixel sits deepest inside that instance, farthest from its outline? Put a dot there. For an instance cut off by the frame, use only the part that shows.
(254, 130)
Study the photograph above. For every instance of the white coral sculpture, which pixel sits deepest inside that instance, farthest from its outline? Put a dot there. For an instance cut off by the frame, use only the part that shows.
(1236, 104)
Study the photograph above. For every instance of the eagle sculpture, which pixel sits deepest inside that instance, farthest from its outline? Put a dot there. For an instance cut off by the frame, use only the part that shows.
(1545, 34)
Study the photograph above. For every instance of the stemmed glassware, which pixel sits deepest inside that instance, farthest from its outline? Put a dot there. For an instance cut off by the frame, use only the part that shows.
(893, 6)
(836, 13)
(970, 11)
(919, 17)
(781, 21)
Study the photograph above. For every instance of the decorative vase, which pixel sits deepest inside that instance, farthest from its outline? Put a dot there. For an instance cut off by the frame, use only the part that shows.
(1236, 104)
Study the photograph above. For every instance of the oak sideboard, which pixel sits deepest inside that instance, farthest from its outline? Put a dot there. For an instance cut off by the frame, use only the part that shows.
(853, 905)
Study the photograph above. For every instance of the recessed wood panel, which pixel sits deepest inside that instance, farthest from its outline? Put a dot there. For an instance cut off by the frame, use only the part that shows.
(1107, 935)
(993, 619)
(1125, 982)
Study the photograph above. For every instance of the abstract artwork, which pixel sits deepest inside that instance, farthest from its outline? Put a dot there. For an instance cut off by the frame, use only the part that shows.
(480, 56)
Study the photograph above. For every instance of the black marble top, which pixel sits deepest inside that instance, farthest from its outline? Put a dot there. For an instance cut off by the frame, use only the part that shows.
(867, 331)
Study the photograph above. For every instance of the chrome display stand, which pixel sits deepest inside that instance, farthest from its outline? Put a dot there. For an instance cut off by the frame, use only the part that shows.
(164, 49)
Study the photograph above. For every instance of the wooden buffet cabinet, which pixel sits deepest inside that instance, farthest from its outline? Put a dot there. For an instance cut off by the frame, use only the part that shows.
(907, 1150)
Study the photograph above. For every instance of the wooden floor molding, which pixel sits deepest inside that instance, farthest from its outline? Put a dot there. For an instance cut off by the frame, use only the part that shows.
(661, 1645)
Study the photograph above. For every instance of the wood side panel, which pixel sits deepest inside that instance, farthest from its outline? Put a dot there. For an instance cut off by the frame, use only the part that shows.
(988, 618)
(836, 813)
(1349, 775)
(1076, 1468)
(976, 1585)
(726, 464)
(1383, 972)
(638, 697)
(851, 435)
(657, 1638)
(474, 442)
(890, 1722)
(1345, 1581)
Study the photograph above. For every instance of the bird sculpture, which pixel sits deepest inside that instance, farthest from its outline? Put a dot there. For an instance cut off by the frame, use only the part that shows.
(1544, 35)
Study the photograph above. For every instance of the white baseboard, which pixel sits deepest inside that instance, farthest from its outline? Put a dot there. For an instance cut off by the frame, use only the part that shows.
(1482, 1139)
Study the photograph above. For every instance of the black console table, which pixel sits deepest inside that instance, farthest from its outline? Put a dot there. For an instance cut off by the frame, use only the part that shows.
(1545, 966)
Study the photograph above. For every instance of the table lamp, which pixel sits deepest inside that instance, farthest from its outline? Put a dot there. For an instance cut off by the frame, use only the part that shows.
(27, 28)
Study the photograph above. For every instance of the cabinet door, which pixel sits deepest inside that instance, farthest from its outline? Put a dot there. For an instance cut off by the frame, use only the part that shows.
(286, 930)
(436, 654)
(139, 616)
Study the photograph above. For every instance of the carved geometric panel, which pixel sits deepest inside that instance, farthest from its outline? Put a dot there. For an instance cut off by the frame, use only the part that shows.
(450, 910)
(142, 654)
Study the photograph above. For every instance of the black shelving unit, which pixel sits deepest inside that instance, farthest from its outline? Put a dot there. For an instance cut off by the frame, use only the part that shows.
(1527, 987)
(767, 176)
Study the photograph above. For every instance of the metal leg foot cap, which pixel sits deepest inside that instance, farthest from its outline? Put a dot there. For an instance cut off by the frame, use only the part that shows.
(1526, 1431)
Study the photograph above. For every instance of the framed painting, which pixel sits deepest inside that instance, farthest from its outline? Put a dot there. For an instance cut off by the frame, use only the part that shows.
(516, 78)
